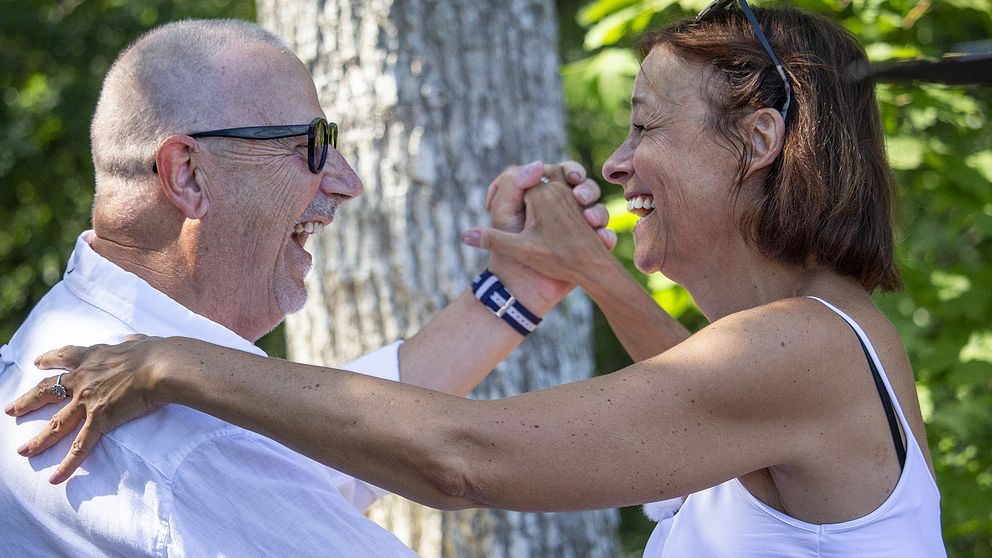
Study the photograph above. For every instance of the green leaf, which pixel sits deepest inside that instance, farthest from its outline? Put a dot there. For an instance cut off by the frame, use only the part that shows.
(981, 162)
(979, 347)
(905, 152)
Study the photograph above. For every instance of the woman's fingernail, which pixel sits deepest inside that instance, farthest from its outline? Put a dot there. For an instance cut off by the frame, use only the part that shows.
(23, 450)
(55, 478)
(584, 195)
(533, 166)
(9, 409)
(472, 238)
(574, 177)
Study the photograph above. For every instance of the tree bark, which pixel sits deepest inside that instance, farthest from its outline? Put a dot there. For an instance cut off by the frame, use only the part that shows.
(433, 99)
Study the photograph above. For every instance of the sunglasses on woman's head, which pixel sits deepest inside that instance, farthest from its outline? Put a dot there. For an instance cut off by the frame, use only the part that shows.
(721, 6)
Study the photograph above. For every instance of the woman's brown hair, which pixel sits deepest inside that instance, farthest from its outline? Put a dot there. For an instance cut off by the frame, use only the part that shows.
(829, 196)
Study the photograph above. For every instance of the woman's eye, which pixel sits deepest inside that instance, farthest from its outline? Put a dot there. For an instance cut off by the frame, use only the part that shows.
(637, 127)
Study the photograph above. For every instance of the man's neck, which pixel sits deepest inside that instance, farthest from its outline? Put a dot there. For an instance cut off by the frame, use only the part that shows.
(170, 270)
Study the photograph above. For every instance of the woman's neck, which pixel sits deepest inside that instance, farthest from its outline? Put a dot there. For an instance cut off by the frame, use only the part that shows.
(737, 285)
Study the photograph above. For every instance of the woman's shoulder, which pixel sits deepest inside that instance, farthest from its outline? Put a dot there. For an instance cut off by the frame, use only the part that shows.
(797, 348)
(798, 324)
(816, 319)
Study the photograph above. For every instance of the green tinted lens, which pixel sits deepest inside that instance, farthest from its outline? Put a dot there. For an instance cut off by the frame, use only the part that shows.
(332, 134)
(317, 152)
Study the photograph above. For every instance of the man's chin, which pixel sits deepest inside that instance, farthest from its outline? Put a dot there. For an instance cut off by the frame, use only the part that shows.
(291, 301)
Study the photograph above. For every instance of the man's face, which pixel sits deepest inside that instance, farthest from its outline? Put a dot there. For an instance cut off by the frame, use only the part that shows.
(270, 202)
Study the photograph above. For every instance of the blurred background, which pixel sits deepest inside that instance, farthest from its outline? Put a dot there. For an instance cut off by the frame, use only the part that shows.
(53, 55)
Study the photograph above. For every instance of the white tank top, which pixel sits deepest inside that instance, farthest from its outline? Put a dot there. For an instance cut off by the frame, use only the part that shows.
(727, 521)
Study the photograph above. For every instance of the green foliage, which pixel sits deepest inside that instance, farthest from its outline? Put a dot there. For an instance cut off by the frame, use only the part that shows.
(939, 141)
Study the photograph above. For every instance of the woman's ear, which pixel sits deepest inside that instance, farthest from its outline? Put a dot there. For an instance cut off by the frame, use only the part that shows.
(765, 129)
(180, 177)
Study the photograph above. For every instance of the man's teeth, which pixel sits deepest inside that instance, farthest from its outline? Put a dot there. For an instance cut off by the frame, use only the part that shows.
(310, 227)
(640, 205)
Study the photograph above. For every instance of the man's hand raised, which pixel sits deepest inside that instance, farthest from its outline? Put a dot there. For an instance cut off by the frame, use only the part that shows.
(546, 225)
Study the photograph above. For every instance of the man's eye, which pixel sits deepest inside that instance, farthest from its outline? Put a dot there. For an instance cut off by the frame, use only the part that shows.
(637, 127)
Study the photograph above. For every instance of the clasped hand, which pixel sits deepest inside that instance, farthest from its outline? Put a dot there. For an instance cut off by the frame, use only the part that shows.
(537, 225)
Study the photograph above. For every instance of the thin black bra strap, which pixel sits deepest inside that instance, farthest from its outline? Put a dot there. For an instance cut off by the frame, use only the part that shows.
(886, 401)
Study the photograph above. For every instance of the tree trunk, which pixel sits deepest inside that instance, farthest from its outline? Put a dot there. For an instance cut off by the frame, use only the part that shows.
(433, 99)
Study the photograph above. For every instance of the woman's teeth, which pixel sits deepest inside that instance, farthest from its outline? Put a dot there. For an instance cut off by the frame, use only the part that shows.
(640, 205)
(310, 227)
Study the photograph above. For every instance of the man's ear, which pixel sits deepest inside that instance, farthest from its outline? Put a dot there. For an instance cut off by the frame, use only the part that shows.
(179, 176)
(765, 129)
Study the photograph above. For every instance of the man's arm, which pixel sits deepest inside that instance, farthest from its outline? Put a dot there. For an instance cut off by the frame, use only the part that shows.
(556, 242)
(465, 341)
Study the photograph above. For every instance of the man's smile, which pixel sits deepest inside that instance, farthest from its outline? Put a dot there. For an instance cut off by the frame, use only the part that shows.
(303, 230)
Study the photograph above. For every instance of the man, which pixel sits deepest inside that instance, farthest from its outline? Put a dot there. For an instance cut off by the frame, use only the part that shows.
(206, 193)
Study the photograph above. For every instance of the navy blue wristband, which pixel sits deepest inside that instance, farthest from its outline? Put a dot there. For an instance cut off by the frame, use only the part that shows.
(493, 295)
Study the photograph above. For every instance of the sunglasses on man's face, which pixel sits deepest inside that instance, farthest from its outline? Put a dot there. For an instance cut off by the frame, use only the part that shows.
(320, 134)
(721, 6)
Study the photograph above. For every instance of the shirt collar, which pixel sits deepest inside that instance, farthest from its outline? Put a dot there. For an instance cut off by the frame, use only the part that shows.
(129, 298)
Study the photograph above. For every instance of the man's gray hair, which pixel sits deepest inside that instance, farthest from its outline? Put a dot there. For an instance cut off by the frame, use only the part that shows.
(166, 82)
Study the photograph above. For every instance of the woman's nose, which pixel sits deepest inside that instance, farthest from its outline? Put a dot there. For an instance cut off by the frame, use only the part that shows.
(618, 168)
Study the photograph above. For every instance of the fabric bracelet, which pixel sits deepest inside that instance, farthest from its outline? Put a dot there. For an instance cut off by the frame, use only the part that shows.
(493, 295)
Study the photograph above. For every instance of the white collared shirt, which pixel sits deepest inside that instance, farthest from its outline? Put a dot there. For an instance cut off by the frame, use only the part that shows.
(176, 482)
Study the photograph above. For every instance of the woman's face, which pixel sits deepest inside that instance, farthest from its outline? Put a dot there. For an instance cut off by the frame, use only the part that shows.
(675, 173)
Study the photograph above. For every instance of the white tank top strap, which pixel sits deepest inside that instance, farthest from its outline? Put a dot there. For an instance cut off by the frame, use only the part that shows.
(910, 439)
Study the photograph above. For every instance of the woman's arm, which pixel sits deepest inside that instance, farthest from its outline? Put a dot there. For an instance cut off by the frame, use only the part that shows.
(723, 403)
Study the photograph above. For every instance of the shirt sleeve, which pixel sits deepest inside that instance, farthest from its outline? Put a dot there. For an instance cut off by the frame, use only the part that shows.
(382, 363)
(244, 495)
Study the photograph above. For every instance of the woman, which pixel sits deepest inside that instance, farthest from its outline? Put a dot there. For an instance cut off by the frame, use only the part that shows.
(791, 422)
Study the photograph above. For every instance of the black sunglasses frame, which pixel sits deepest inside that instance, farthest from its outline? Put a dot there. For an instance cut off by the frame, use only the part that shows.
(719, 6)
(318, 130)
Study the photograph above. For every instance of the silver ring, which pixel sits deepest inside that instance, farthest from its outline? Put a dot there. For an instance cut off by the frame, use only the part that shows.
(58, 390)
(545, 180)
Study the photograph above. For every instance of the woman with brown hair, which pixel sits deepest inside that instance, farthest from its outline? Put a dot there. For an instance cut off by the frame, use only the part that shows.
(790, 425)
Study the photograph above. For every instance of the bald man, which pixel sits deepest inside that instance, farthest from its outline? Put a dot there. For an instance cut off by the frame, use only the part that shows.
(214, 164)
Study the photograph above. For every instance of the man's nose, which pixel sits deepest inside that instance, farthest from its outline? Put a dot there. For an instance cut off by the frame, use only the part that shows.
(338, 177)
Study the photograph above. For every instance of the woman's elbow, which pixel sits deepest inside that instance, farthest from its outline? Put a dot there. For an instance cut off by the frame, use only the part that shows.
(460, 475)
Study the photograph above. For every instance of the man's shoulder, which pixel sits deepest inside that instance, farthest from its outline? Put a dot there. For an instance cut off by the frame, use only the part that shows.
(163, 438)
(60, 319)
